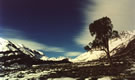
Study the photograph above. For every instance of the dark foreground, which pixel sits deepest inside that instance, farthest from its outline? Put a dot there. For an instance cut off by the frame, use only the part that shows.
(80, 71)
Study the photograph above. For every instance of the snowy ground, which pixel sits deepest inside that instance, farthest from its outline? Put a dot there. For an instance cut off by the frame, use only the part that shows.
(84, 67)
(66, 71)
(123, 41)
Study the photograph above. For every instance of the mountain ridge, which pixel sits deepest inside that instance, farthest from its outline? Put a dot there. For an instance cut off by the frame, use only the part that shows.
(11, 53)
(115, 44)
(15, 49)
(122, 56)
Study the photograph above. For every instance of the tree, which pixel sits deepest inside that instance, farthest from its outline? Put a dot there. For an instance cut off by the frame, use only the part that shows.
(102, 30)
(87, 48)
(115, 34)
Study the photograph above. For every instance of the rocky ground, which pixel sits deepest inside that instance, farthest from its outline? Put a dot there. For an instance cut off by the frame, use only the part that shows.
(123, 67)
(93, 70)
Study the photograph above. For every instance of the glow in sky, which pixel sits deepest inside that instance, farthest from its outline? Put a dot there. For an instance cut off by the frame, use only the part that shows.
(121, 12)
(60, 27)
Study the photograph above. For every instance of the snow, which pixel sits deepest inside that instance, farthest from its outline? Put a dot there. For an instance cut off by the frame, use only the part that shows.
(3, 44)
(24, 75)
(32, 53)
(10, 54)
(126, 37)
(131, 69)
(1, 55)
(3, 41)
(27, 52)
(45, 58)
(105, 78)
(88, 56)
(63, 78)
(68, 78)
(41, 53)
(56, 59)
(88, 78)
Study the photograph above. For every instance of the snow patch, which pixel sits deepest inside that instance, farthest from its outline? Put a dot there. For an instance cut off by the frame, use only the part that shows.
(125, 38)
(105, 78)
(64, 78)
(24, 75)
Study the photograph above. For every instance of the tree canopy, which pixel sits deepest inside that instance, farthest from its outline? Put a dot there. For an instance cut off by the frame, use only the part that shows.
(102, 30)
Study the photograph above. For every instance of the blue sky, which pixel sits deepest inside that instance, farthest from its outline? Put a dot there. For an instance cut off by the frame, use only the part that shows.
(60, 27)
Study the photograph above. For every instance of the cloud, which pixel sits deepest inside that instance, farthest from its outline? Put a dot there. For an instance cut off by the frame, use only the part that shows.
(36, 45)
(17, 37)
(84, 38)
(7, 32)
(121, 13)
(72, 54)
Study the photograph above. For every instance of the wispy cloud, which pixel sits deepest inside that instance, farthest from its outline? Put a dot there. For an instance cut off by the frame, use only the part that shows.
(72, 54)
(35, 45)
(83, 38)
(7, 32)
(121, 13)
(17, 37)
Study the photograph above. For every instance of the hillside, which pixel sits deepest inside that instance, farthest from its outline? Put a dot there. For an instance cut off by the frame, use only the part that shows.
(114, 45)
(11, 54)
(84, 67)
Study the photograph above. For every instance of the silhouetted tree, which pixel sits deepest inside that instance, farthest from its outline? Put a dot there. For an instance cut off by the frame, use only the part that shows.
(115, 34)
(102, 30)
(87, 48)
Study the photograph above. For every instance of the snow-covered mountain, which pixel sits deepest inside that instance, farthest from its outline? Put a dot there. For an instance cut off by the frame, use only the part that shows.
(122, 51)
(11, 53)
(114, 46)
(8, 48)
(16, 52)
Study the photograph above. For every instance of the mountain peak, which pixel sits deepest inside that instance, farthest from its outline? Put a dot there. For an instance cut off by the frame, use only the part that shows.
(114, 45)
(3, 41)
(5, 45)
(11, 53)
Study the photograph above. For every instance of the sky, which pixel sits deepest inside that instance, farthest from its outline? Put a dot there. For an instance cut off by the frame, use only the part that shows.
(60, 27)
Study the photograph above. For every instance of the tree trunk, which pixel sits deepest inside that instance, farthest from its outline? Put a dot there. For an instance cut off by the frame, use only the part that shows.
(108, 52)
(109, 57)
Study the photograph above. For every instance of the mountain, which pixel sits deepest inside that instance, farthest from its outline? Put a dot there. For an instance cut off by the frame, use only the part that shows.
(91, 65)
(114, 46)
(11, 53)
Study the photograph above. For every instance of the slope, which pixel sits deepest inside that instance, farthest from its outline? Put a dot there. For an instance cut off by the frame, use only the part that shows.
(115, 45)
